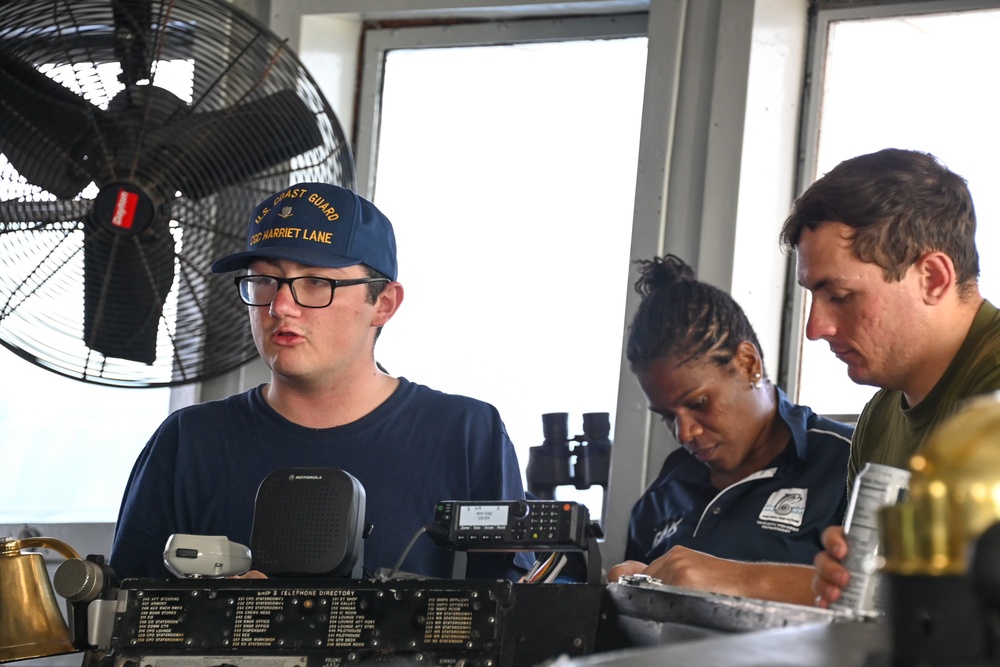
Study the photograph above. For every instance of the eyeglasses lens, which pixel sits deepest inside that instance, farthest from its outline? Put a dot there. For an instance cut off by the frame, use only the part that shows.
(307, 292)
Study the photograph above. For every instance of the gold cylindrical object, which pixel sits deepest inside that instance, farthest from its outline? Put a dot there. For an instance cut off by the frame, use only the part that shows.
(31, 624)
(954, 495)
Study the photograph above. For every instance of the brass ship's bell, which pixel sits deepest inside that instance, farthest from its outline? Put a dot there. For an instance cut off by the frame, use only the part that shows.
(31, 625)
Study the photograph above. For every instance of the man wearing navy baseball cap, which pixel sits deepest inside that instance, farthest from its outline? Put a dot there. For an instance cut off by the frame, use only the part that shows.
(319, 278)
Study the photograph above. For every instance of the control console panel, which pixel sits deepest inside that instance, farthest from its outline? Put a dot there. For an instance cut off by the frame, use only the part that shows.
(320, 622)
(530, 525)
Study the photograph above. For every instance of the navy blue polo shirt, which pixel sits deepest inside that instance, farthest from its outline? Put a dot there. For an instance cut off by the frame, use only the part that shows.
(776, 514)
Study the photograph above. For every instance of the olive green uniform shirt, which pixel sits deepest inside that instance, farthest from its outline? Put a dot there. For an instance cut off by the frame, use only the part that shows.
(890, 433)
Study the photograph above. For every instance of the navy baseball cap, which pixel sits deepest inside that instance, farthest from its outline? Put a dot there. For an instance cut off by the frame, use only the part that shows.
(320, 225)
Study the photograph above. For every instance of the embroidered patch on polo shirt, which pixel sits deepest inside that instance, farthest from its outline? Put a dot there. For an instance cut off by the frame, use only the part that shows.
(667, 531)
(784, 510)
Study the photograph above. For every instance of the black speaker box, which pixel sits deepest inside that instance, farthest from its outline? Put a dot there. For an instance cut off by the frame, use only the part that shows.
(309, 522)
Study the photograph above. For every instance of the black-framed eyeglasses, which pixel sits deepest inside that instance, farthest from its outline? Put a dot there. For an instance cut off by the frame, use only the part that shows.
(308, 291)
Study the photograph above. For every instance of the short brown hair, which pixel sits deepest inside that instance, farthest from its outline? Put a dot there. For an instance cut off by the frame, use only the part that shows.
(901, 204)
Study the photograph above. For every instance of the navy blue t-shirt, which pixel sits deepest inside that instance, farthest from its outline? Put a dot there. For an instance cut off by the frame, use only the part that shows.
(200, 471)
(776, 514)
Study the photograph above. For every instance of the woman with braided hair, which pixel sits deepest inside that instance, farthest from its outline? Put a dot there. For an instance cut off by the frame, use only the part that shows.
(756, 477)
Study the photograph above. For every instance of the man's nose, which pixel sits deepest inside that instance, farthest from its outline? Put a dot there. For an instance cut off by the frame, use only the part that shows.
(819, 325)
(283, 300)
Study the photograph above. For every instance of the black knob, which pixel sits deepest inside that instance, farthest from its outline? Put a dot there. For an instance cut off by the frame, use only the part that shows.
(520, 509)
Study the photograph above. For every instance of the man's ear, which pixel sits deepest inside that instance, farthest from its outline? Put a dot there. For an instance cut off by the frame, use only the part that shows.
(937, 275)
(388, 303)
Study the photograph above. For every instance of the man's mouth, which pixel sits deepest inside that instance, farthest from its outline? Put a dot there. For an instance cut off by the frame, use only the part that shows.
(285, 336)
(842, 353)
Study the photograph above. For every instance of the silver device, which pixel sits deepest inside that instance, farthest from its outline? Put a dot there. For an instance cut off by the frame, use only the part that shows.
(212, 556)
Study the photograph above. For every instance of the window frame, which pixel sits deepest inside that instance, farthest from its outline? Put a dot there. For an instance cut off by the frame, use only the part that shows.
(378, 41)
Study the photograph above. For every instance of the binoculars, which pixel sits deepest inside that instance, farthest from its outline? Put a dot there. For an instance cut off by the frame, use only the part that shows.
(581, 461)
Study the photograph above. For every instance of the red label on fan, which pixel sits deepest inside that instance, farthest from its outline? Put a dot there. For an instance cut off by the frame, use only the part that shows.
(125, 204)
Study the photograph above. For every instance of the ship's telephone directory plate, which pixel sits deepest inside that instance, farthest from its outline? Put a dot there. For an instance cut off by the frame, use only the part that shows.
(217, 660)
(324, 623)
(310, 618)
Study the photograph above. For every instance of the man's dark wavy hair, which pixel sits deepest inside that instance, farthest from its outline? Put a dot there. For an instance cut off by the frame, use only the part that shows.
(901, 204)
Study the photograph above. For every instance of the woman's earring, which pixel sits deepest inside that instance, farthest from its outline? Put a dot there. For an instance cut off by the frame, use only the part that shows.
(758, 384)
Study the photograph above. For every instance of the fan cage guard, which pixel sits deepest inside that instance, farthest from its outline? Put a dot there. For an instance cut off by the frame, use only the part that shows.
(138, 307)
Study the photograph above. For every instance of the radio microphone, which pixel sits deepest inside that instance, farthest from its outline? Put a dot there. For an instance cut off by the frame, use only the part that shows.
(212, 556)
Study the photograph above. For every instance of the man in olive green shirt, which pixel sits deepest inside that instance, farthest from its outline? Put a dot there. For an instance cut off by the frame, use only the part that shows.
(886, 247)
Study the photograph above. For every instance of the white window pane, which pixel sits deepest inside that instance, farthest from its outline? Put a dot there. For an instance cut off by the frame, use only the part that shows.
(68, 445)
(916, 82)
(509, 174)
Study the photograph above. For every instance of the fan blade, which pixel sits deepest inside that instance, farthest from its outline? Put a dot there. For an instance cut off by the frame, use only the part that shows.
(46, 131)
(126, 282)
(16, 215)
(132, 113)
(201, 153)
(133, 26)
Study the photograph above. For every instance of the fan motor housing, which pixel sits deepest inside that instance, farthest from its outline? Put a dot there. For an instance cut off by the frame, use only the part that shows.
(123, 208)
